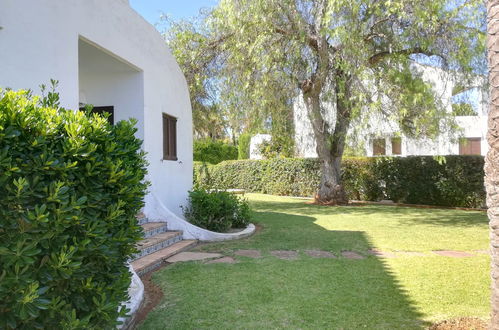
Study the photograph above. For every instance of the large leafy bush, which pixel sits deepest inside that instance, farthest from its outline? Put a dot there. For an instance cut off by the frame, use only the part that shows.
(70, 187)
(457, 181)
(217, 210)
(213, 152)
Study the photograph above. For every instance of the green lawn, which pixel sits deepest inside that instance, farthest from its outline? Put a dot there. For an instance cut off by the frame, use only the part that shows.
(406, 292)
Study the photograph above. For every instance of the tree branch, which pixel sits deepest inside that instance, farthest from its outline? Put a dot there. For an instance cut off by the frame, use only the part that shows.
(376, 58)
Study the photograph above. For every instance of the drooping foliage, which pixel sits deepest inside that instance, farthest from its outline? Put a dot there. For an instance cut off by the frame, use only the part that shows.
(222, 103)
(350, 62)
(70, 187)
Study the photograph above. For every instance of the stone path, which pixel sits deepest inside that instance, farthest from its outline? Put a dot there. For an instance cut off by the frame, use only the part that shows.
(223, 260)
(454, 254)
(217, 258)
(292, 255)
(248, 253)
(284, 254)
(320, 254)
(191, 256)
(351, 255)
(381, 254)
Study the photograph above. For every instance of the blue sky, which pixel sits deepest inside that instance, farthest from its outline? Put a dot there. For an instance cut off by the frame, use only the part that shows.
(152, 9)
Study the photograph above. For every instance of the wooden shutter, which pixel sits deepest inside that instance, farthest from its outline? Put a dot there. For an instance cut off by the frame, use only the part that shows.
(470, 146)
(396, 146)
(379, 147)
(169, 137)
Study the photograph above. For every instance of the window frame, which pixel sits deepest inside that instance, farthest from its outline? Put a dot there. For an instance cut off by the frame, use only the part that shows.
(170, 145)
(375, 146)
(466, 146)
(395, 141)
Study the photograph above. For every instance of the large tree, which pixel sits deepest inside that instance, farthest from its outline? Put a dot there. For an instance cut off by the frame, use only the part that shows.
(492, 159)
(346, 60)
(223, 100)
(199, 61)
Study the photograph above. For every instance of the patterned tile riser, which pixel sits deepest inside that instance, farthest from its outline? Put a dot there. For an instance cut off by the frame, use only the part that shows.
(150, 268)
(155, 231)
(157, 247)
(143, 221)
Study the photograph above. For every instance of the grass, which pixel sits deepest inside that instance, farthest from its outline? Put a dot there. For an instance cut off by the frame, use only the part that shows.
(407, 292)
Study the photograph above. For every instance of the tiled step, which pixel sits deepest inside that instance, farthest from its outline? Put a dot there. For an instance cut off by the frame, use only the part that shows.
(141, 218)
(150, 262)
(153, 228)
(157, 242)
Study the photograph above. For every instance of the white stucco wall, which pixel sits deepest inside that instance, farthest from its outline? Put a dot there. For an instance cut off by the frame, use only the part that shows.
(45, 42)
(255, 143)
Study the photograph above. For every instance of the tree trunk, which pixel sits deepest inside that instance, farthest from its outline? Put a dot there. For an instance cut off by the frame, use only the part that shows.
(330, 147)
(492, 158)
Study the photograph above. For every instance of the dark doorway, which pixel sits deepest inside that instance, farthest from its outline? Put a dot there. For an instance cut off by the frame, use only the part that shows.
(102, 110)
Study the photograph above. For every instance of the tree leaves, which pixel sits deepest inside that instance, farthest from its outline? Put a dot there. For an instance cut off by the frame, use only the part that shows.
(71, 186)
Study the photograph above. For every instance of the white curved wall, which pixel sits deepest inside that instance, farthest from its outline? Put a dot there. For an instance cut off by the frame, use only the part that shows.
(39, 41)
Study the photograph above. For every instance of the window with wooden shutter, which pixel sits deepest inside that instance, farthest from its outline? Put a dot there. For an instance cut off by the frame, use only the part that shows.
(396, 146)
(470, 146)
(169, 137)
(379, 147)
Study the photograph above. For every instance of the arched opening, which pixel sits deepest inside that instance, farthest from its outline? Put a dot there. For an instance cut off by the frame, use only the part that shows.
(110, 84)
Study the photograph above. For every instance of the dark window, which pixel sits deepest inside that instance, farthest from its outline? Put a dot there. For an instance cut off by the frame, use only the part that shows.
(169, 137)
(379, 147)
(470, 146)
(102, 110)
(396, 146)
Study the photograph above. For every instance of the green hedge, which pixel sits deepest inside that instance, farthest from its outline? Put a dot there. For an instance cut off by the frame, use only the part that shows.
(213, 152)
(70, 187)
(455, 181)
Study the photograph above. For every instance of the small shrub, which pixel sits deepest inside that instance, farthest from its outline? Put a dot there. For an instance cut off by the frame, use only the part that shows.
(213, 152)
(217, 211)
(70, 187)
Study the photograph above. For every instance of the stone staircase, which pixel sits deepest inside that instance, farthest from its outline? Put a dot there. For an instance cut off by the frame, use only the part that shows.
(158, 245)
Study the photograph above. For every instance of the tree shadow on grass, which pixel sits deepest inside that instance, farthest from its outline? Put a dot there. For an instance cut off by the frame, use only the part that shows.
(405, 215)
(306, 293)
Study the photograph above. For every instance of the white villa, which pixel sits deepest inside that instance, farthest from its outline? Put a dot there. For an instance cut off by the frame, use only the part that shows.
(105, 54)
(383, 138)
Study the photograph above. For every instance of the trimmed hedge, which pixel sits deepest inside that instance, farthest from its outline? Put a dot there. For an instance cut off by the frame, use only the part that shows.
(457, 181)
(70, 187)
(213, 152)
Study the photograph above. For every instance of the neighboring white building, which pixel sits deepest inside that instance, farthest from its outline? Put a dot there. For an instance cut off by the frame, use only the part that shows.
(255, 143)
(382, 137)
(104, 53)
